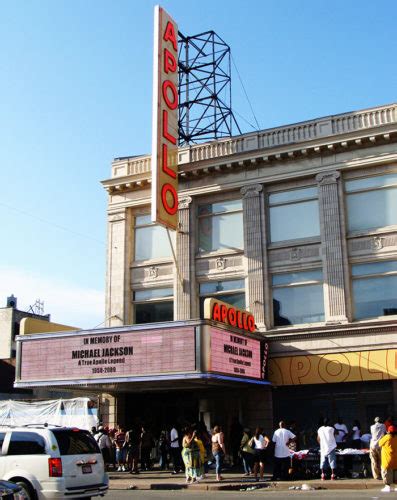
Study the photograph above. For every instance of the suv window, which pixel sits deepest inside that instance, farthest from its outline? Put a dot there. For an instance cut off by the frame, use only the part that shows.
(75, 442)
(2, 436)
(26, 443)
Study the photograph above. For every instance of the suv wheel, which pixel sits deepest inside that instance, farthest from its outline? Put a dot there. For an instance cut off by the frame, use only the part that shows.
(27, 490)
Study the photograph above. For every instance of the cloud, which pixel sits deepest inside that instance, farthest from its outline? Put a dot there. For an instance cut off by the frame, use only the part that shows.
(67, 303)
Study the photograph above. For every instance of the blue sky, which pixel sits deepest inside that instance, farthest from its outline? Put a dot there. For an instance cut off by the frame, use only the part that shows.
(75, 87)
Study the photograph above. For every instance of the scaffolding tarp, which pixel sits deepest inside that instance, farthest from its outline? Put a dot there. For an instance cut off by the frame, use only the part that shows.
(76, 412)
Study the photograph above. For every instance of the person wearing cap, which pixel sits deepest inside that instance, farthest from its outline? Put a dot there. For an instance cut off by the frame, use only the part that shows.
(377, 431)
(388, 444)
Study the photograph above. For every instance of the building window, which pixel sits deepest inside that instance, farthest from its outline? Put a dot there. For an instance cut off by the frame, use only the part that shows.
(220, 226)
(298, 298)
(230, 291)
(153, 305)
(151, 240)
(371, 202)
(294, 214)
(374, 289)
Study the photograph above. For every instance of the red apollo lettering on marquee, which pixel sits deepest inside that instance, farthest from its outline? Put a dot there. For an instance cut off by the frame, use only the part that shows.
(232, 316)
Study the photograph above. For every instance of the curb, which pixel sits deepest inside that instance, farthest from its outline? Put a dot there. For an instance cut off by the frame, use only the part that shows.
(274, 486)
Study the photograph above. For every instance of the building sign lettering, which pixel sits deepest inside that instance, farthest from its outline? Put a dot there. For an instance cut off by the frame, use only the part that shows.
(165, 121)
(216, 310)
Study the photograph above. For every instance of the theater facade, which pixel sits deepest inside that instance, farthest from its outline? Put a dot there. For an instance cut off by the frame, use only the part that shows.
(295, 224)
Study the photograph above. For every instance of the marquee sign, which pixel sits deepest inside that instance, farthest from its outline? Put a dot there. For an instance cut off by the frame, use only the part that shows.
(107, 355)
(216, 310)
(165, 121)
(236, 355)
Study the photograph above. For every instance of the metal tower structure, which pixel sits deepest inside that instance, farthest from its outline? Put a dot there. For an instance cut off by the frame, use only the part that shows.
(205, 100)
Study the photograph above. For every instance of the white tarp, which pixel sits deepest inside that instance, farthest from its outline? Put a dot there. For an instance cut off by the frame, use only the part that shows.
(75, 412)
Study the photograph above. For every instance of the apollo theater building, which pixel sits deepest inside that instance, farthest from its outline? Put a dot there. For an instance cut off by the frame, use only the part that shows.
(252, 277)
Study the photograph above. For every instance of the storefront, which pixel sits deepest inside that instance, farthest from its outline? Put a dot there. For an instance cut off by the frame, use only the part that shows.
(158, 373)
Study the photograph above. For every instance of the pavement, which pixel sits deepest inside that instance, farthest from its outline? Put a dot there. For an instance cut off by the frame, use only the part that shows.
(164, 480)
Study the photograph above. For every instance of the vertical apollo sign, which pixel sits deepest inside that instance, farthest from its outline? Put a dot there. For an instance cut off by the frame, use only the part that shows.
(165, 121)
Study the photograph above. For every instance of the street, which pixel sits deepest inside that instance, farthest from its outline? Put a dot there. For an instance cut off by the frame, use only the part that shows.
(260, 493)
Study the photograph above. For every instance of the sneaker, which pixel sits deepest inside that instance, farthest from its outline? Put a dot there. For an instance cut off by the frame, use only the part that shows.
(322, 477)
(123, 469)
(333, 477)
(386, 489)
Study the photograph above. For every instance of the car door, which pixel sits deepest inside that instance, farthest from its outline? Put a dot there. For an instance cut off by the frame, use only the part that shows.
(82, 462)
(26, 454)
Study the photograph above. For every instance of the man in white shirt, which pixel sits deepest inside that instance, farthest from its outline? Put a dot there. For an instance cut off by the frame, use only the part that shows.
(326, 439)
(175, 450)
(281, 438)
(378, 430)
(341, 433)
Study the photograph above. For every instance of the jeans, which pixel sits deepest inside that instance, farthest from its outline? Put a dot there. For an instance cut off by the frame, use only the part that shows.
(247, 461)
(330, 458)
(120, 455)
(218, 462)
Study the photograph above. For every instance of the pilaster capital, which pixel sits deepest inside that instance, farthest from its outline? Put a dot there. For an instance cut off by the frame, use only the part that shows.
(118, 217)
(251, 191)
(183, 203)
(327, 178)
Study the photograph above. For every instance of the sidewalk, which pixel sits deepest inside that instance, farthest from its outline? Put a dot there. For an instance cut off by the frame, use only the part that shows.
(163, 480)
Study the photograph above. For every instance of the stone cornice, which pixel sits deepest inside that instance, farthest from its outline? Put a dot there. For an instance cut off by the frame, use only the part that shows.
(316, 138)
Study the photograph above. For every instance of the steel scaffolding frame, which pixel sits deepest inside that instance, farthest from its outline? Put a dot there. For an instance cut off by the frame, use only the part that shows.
(205, 100)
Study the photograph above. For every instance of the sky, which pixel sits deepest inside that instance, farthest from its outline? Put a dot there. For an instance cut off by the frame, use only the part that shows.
(75, 92)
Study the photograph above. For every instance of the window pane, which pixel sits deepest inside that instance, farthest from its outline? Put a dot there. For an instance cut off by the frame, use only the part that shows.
(221, 232)
(299, 220)
(75, 442)
(26, 443)
(152, 242)
(372, 209)
(234, 299)
(153, 293)
(221, 286)
(152, 312)
(375, 297)
(301, 277)
(141, 220)
(297, 305)
(294, 195)
(220, 207)
(371, 182)
(374, 268)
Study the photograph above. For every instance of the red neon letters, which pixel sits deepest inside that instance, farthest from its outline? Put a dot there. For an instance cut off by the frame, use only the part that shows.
(169, 92)
(234, 317)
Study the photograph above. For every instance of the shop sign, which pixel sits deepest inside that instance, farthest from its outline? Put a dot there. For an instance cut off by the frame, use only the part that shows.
(352, 366)
(111, 355)
(216, 310)
(236, 355)
(165, 121)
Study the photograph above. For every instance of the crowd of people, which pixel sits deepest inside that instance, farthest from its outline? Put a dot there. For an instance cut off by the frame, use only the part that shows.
(193, 450)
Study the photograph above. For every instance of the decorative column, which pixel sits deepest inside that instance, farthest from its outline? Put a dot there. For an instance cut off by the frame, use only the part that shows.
(332, 248)
(183, 275)
(253, 251)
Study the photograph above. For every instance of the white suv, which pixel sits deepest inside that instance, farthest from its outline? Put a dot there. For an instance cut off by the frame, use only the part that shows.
(52, 462)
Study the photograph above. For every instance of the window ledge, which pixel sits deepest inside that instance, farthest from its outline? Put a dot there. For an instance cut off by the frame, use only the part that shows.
(218, 253)
(372, 232)
(294, 243)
